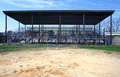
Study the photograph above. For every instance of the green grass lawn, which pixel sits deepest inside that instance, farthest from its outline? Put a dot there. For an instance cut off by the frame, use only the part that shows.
(7, 48)
(101, 47)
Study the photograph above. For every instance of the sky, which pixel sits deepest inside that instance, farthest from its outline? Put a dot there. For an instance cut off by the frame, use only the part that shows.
(11, 5)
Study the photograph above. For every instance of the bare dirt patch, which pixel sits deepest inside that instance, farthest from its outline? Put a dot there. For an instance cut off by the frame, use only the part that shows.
(60, 63)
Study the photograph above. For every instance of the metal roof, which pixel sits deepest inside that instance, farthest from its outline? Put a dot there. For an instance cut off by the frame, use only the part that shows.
(68, 17)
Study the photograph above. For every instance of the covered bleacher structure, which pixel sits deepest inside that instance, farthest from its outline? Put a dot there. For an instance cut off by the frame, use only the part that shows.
(59, 35)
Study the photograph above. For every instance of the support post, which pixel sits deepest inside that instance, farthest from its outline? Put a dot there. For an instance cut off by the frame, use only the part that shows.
(25, 33)
(99, 33)
(94, 34)
(76, 34)
(42, 34)
(104, 35)
(5, 28)
(32, 27)
(19, 26)
(25, 28)
(57, 37)
(39, 35)
(60, 29)
(66, 35)
(111, 30)
(84, 28)
(19, 32)
(94, 29)
(79, 34)
(95, 37)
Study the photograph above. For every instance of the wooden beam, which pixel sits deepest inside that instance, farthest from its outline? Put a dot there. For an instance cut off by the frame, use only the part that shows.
(94, 29)
(84, 28)
(25, 33)
(19, 26)
(110, 29)
(99, 32)
(66, 35)
(39, 34)
(32, 27)
(25, 28)
(76, 32)
(5, 28)
(104, 35)
(42, 34)
(79, 34)
(39, 30)
(94, 34)
(19, 31)
(59, 28)
(76, 37)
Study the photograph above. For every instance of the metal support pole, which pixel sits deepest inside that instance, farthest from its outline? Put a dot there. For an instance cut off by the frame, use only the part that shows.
(84, 28)
(5, 28)
(32, 27)
(111, 30)
(99, 33)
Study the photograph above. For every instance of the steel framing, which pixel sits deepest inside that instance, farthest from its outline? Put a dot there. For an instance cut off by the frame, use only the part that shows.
(63, 32)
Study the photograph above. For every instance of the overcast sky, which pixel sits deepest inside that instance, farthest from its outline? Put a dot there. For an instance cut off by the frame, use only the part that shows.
(54, 5)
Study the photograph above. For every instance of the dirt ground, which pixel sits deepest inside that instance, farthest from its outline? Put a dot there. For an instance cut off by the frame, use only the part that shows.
(59, 63)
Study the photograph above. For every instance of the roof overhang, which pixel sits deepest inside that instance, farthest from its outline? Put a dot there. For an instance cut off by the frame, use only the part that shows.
(52, 17)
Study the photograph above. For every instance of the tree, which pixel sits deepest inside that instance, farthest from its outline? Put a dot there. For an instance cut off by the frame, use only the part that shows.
(115, 25)
(118, 25)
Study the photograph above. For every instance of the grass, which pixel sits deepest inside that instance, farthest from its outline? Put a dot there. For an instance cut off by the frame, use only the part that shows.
(101, 47)
(8, 48)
